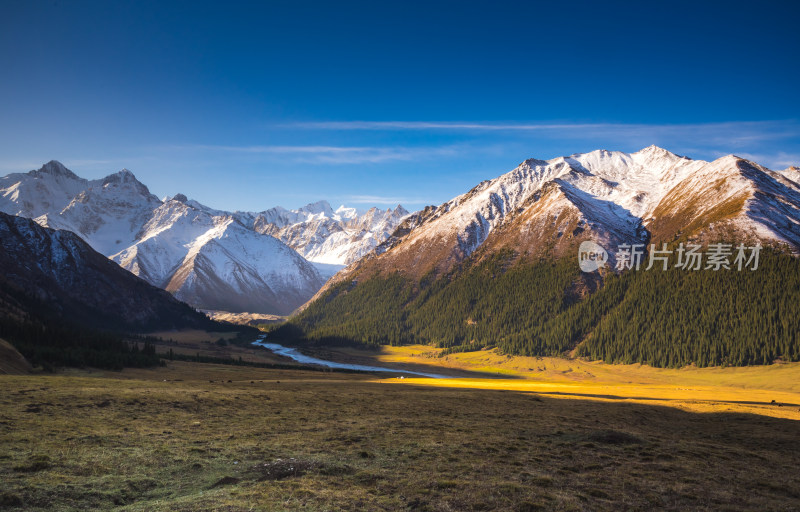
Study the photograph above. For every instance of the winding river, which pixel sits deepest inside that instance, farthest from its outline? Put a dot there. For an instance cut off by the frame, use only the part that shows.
(294, 354)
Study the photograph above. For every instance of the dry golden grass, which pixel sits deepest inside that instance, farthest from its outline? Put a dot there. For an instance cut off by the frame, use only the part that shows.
(255, 439)
(749, 389)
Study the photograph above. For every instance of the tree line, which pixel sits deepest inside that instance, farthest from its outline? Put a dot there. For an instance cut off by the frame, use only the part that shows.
(663, 318)
(49, 340)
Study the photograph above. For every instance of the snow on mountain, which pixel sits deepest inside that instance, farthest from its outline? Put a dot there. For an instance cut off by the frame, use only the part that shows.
(107, 213)
(165, 240)
(322, 235)
(542, 208)
(50, 189)
(215, 262)
(347, 213)
(210, 258)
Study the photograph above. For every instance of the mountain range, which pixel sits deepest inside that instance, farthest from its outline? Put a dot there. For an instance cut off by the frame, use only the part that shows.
(497, 266)
(265, 262)
(327, 237)
(492, 267)
(545, 207)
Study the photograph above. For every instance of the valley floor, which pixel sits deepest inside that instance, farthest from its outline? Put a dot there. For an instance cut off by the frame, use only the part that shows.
(193, 436)
(772, 390)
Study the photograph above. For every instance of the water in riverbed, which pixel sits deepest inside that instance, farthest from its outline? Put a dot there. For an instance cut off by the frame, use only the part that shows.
(294, 354)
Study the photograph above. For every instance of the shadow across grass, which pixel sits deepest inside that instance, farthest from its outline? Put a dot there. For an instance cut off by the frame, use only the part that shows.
(274, 439)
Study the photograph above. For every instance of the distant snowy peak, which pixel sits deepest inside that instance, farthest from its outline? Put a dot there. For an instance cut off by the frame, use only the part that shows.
(210, 259)
(793, 173)
(46, 190)
(106, 212)
(280, 217)
(191, 203)
(320, 208)
(55, 168)
(326, 236)
(346, 213)
(111, 214)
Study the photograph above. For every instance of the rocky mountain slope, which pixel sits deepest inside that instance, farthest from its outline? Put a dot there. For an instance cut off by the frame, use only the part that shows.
(65, 278)
(544, 208)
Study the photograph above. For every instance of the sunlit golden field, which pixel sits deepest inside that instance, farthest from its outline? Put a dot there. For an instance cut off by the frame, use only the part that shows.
(195, 436)
(749, 389)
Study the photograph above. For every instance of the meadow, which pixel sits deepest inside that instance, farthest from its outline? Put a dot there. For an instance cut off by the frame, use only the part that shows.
(771, 390)
(191, 436)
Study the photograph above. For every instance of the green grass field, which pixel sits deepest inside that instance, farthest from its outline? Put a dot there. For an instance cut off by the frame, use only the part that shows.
(256, 439)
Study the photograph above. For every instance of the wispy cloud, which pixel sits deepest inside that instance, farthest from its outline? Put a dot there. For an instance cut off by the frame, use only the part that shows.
(735, 134)
(336, 154)
(388, 200)
(538, 126)
(428, 125)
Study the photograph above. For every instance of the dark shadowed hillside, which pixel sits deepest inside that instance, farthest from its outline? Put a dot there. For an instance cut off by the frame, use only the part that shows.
(62, 303)
(68, 279)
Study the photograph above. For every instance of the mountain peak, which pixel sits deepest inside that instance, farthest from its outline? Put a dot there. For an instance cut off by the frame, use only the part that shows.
(654, 150)
(318, 207)
(124, 177)
(56, 168)
(346, 212)
(531, 162)
(730, 159)
(181, 198)
(399, 210)
(124, 182)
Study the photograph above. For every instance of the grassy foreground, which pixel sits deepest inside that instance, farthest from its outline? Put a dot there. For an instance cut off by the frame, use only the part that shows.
(254, 439)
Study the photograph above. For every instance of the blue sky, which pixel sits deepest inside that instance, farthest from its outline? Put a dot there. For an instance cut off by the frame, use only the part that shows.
(249, 105)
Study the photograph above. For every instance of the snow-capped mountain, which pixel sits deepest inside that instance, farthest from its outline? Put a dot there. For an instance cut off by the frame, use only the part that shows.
(108, 213)
(545, 208)
(323, 235)
(36, 193)
(212, 259)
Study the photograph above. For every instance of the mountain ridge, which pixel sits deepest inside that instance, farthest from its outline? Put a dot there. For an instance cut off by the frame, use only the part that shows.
(59, 270)
(615, 192)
